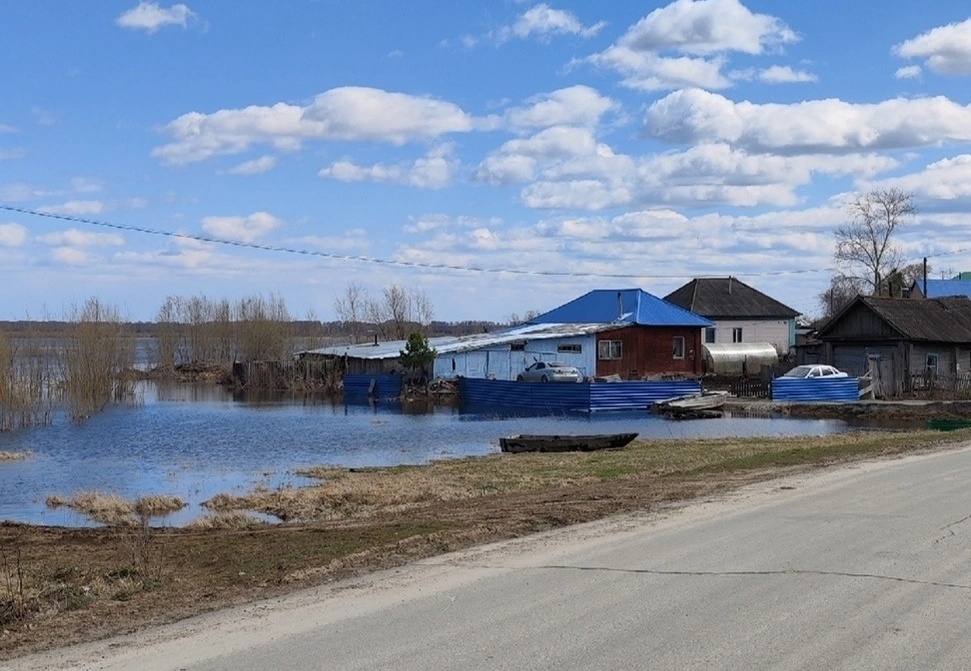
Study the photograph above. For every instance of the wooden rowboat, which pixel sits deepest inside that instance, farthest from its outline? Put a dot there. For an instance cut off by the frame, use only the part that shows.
(564, 443)
(703, 404)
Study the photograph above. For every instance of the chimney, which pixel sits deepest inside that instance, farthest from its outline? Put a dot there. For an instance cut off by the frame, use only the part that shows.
(375, 339)
(620, 305)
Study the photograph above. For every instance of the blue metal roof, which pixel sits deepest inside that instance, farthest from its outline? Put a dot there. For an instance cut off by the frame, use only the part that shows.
(940, 288)
(622, 307)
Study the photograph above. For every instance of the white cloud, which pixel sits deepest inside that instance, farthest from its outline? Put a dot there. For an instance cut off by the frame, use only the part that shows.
(572, 106)
(255, 167)
(4, 128)
(778, 74)
(691, 116)
(646, 71)
(244, 229)
(76, 238)
(705, 27)
(85, 185)
(150, 17)
(71, 256)
(346, 170)
(908, 72)
(434, 171)
(946, 49)
(76, 208)
(12, 235)
(700, 33)
(543, 21)
(12, 153)
(518, 160)
(349, 114)
(945, 183)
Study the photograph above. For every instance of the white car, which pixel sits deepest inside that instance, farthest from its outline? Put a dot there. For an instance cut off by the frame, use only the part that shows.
(550, 371)
(815, 371)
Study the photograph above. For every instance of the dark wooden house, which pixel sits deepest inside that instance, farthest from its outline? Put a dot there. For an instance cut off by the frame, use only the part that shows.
(906, 342)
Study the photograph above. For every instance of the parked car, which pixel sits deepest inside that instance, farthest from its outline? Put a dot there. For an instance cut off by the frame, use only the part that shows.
(815, 371)
(550, 371)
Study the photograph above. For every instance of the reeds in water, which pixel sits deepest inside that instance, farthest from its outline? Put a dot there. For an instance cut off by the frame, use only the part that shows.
(98, 353)
(24, 384)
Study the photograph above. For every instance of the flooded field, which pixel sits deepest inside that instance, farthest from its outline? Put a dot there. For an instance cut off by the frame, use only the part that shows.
(195, 441)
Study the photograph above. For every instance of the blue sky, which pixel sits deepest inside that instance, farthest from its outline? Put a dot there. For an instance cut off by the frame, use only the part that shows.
(499, 156)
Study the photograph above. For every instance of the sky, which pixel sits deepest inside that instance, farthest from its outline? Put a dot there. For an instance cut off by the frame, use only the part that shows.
(499, 157)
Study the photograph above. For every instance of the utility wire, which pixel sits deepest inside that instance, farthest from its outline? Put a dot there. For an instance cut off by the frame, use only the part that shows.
(370, 259)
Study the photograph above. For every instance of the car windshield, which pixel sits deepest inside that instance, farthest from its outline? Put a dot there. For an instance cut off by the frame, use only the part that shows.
(799, 371)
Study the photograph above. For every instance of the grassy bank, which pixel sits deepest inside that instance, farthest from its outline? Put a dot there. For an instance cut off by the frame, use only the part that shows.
(63, 585)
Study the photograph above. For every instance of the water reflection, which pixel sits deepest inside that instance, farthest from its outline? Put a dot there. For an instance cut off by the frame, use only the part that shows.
(194, 441)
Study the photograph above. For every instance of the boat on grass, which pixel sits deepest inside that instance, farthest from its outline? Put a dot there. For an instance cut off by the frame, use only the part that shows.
(702, 404)
(948, 424)
(565, 443)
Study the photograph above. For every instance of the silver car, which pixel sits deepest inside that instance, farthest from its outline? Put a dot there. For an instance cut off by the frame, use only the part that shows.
(550, 371)
(815, 371)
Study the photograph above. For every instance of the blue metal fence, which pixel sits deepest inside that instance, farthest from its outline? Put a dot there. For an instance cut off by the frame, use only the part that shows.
(372, 386)
(582, 396)
(815, 389)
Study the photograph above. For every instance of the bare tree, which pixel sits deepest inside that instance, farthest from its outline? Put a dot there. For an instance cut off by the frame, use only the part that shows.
(422, 308)
(866, 242)
(351, 308)
(842, 289)
(398, 309)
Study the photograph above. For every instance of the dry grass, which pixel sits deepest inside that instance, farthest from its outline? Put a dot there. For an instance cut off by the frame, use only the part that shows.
(14, 456)
(235, 520)
(112, 510)
(358, 494)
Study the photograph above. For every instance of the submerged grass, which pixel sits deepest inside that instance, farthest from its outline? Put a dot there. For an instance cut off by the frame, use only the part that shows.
(14, 456)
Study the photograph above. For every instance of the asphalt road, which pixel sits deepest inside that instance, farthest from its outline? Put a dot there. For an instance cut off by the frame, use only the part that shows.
(861, 567)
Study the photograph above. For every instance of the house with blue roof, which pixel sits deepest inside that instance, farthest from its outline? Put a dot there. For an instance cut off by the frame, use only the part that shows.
(960, 285)
(627, 333)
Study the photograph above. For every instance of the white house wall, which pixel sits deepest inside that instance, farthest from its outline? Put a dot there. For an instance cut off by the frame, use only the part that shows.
(501, 363)
(780, 333)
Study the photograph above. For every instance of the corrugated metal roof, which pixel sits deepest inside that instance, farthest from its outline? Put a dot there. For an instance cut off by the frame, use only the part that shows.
(728, 298)
(621, 307)
(940, 288)
(451, 344)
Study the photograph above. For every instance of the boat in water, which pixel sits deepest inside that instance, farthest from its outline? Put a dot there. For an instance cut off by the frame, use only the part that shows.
(565, 443)
(692, 406)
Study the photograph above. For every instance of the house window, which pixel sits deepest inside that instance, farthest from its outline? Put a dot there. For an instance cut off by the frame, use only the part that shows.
(678, 347)
(710, 334)
(609, 349)
(931, 363)
(568, 349)
(517, 347)
(737, 334)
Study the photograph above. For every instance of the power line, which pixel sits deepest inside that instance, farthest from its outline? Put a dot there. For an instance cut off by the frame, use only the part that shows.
(370, 259)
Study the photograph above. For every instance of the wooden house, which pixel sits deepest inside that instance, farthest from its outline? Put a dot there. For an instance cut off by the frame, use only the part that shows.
(740, 313)
(905, 340)
(634, 335)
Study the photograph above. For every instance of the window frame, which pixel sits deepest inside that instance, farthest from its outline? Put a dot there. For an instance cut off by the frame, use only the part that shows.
(736, 334)
(684, 347)
(614, 350)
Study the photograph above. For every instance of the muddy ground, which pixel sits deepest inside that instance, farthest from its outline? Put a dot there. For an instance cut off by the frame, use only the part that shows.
(60, 586)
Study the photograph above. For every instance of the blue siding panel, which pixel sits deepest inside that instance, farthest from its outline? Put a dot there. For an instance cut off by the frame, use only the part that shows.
(582, 396)
(359, 386)
(818, 390)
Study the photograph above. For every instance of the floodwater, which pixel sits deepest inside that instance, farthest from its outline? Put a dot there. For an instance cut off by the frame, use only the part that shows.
(195, 441)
